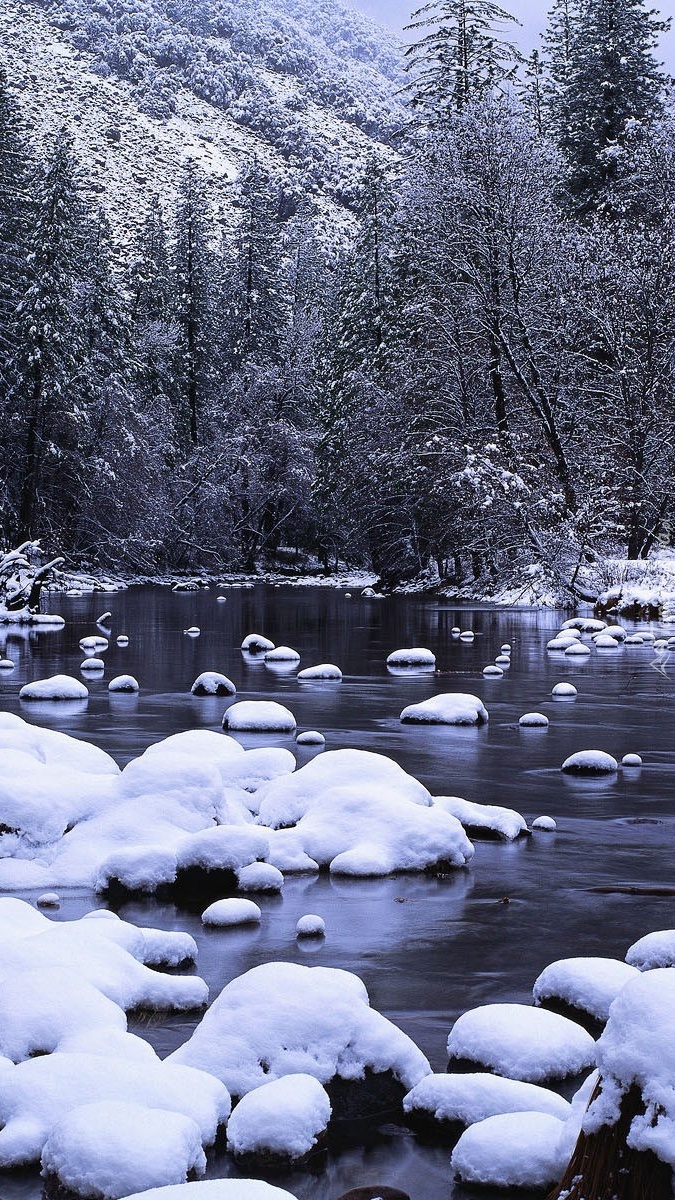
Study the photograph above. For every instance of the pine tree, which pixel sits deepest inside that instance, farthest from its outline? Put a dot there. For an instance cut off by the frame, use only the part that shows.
(557, 62)
(152, 312)
(194, 271)
(612, 91)
(461, 58)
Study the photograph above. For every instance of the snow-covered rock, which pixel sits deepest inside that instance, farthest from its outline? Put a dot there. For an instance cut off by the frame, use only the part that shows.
(413, 656)
(561, 642)
(6, 664)
(321, 671)
(258, 716)
(631, 760)
(124, 683)
(122, 639)
(360, 814)
(233, 911)
(513, 1150)
(92, 664)
(484, 819)
(520, 1042)
(94, 643)
(310, 926)
(544, 824)
(533, 720)
(217, 1189)
(585, 624)
(563, 690)
(107, 1149)
(577, 650)
(260, 877)
(590, 762)
(211, 683)
(281, 1120)
(654, 950)
(584, 985)
(492, 670)
(452, 1101)
(57, 687)
(282, 1018)
(310, 737)
(282, 654)
(255, 643)
(448, 708)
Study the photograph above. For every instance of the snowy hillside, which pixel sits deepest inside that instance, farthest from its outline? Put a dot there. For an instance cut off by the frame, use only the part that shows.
(308, 88)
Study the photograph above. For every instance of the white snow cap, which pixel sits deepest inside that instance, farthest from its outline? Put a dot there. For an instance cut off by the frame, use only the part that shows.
(95, 642)
(547, 824)
(514, 1150)
(413, 656)
(655, 949)
(493, 670)
(282, 654)
(311, 737)
(260, 877)
(258, 716)
(564, 689)
(211, 683)
(322, 671)
(92, 664)
(590, 762)
(522, 1042)
(124, 683)
(448, 708)
(533, 720)
(585, 624)
(234, 911)
(255, 642)
(107, 1149)
(57, 687)
(577, 650)
(589, 984)
(217, 1189)
(281, 1018)
(638, 1047)
(631, 760)
(284, 1117)
(504, 822)
(360, 814)
(310, 926)
(604, 642)
(475, 1096)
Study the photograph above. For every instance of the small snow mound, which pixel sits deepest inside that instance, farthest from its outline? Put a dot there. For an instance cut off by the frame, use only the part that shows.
(255, 643)
(587, 984)
(448, 708)
(211, 683)
(590, 762)
(259, 716)
(282, 654)
(6, 664)
(57, 687)
(95, 642)
(260, 877)
(221, 599)
(122, 640)
(654, 950)
(413, 656)
(124, 683)
(92, 664)
(577, 650)
(48, 900)
(322, 671)
(564, 689)
(193, 631)
(310, 926)
(217, 1189)
(108, 1149)
(511, 1150)
(604, 642)
(506, 648)
(484, 818)
(533, 720)
(455, 631)
(521, 1042)
(311, 737)
(585, 624)
(562, 643)
(503, 660)
(474, 1096)
(631, 760)
(234, 911)
(635, 639)
(493, 671)
(544, 824)
(467, 635)
(283, 1118)
(616, 631)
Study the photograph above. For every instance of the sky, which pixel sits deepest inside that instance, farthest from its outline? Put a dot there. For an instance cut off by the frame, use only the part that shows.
(532, 13)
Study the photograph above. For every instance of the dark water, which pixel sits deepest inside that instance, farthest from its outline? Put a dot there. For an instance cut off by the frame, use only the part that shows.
(426, 949)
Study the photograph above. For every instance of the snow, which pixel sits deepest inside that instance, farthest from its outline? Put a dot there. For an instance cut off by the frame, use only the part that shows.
(467, 635)
(122, 640)
(310, 926)
(511, 1150)
(106, 1150)
(124, 683)
(217, 1189)
(589, 984)
(655, 949)
(505, 822)
(638, 1047)
(360, 814)
(503, 660)
(631, 760)
(57, 687)
(260, 877)
(545, 824)
(590, 762)
(48, 900)
(491, 670)
(233, 911)
(283, 1018)
(577, 650)
(259, 716)
(282, 654)
(284, 1118)
(6, 664)
(322, 671)
(559, 642)
(564, 689)
(585, 624)
(255, 642)
(534, 720)
(616, 631)
(448, 708)
(521, 1042)
(605, 642)
(311, 737)
(475, 1096)
(95, 642)
(92, 664)
(413, 656)
(211, 683)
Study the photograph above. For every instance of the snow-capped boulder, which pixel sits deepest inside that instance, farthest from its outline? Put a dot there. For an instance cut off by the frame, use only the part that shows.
(57, 687)
(321, 671)
(590, 762)
(282, 654)
(484, 820)
(533, 720)
(585, 624)
(92, 664)
(282, 1018)
(255, 643)
(234, 911)
(279, 1123)
(217, 1189)
(444, 1105)
(93, 644)
(577, 650)
(211, 683)
(654, 950)
(310, 926)
(520, 1042)
(561, 642)
(631, 760)
(105, 1150)
(513, 1150)
(310, 737)
(124, 683)
(563, 690)
(260, 877)
(448, 708)
(582, 987)
(413, 656)
(258, 716)
(604, 642)
(492, 670)
(544, 824)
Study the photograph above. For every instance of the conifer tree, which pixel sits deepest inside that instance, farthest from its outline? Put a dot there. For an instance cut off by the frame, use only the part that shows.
(194, 272)
(152, 312)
